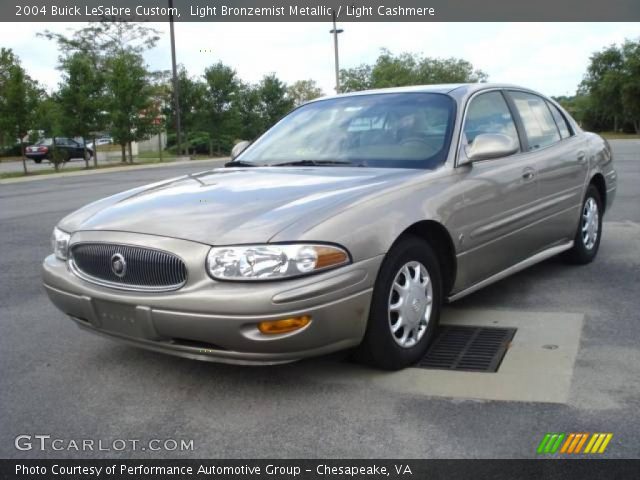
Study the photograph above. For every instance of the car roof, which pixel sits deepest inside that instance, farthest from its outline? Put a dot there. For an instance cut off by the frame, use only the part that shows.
(454, 89)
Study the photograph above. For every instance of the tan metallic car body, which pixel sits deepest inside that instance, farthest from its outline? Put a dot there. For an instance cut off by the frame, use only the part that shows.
(484, 219)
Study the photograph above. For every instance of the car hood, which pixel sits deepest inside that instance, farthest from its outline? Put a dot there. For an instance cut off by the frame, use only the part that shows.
(239, 205)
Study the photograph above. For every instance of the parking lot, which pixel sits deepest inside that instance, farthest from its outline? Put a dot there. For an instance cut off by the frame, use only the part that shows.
(64, 382)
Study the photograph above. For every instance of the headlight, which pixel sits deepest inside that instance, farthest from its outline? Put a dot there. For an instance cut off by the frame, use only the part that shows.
(60, 243)
(272, 262)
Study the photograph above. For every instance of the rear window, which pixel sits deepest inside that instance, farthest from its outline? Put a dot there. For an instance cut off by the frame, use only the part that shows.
(560, 120)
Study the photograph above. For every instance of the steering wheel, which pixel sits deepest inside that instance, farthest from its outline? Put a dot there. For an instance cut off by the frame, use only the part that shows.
(414, 139)
(420, 142)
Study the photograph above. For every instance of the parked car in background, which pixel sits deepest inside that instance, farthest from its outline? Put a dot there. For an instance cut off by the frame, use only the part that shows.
(69, 148)
(346, 225)
(101, 141)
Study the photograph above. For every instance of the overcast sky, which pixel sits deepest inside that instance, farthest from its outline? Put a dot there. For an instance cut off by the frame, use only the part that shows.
(548, 57)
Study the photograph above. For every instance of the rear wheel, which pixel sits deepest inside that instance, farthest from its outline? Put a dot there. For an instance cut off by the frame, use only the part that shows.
(405, 307)
(587, 239)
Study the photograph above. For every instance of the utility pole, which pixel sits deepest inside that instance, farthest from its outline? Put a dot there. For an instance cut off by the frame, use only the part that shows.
(176, 87)
(335, 33)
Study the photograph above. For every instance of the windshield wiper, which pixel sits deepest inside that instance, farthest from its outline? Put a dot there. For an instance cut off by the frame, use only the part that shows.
(313, 163)
(239, 163)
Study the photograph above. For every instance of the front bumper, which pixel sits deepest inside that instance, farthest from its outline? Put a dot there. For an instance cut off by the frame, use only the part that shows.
(217, 321)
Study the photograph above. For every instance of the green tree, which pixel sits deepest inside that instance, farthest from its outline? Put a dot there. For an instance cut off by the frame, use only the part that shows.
(630, 90)
(356, 79)
(193, 114)
(106, 38)
(610, 90)
(19, 99)
(248, 107)
(274, 102)
(391, 70)
(48, 117)
(303, 90)
(7, 60)
(603, 83)
(82, 99)
(129, 100)
(221, 92)
(107, 46)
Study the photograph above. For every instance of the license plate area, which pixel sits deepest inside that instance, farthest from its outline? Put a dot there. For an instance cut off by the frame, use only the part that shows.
(118, 318)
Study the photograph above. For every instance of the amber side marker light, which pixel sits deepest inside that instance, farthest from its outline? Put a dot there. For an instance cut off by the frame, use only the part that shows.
(328, 257)
(285, 325)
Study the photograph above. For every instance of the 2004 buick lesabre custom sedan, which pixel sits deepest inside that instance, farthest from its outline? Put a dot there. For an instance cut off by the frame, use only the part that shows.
(347, 224)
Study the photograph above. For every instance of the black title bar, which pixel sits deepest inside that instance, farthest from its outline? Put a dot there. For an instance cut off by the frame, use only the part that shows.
(321, 11)
(319, 469)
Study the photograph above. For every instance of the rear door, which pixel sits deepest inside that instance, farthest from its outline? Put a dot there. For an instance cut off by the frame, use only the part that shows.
(77, 150)
(63, 145)
(497, 195)
(559, 158)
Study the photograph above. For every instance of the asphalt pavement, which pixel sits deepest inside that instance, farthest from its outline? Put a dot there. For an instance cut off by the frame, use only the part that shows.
(60, 381)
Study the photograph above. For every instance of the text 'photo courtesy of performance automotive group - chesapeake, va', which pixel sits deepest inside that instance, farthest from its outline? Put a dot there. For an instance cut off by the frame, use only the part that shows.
(310, 239)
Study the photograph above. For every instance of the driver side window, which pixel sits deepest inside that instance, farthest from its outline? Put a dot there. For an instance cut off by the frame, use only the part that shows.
(489, 113)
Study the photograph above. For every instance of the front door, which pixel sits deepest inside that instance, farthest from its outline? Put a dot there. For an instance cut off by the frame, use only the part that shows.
(493, 221)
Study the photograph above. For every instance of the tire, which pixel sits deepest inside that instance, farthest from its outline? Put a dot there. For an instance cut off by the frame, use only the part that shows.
(66, 157)
(383, 348)
(585, 245)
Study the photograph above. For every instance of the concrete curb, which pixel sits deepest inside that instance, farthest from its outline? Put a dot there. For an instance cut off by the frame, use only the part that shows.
(215, 161)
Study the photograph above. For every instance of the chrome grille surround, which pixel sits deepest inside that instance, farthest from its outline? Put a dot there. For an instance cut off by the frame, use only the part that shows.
(147, 269)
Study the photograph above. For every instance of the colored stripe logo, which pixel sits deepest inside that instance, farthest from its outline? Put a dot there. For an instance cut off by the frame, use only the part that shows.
(573, 443)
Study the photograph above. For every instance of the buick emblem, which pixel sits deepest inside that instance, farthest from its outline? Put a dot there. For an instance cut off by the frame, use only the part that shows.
(118, 265)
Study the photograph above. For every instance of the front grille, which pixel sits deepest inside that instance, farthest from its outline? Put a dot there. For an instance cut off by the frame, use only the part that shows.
(145, 269)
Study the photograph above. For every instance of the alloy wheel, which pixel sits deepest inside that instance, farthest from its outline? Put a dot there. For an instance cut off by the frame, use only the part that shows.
(410, 304)
(590, 223)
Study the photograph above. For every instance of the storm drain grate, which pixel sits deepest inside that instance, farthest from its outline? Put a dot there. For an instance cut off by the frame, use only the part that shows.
(471, 349)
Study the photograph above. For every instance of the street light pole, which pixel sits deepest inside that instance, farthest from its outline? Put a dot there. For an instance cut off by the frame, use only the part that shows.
(335, 33)
(176, 87)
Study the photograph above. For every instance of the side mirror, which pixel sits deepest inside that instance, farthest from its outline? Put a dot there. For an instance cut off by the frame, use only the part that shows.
(490, 145)
(238, 148)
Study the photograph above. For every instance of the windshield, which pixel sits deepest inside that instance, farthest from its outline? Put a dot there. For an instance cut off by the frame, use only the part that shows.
(392, 130)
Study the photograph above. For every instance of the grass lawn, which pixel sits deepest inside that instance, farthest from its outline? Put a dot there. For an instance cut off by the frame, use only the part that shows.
(620, 136)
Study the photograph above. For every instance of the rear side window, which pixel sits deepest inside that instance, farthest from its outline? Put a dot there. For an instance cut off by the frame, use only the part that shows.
(561, 122)
(489, 113)
(537, 120)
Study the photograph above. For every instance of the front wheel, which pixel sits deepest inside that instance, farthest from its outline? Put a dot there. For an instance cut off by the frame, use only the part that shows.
(405, 307)
(587, 239)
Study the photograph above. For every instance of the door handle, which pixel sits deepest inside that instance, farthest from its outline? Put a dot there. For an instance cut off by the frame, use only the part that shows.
(581, 157)
(528, 174)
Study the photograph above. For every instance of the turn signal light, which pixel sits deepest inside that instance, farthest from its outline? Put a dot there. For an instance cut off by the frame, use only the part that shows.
(330, 256)
(283, 326)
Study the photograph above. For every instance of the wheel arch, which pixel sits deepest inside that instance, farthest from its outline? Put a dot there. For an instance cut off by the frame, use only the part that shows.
(438, 237)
